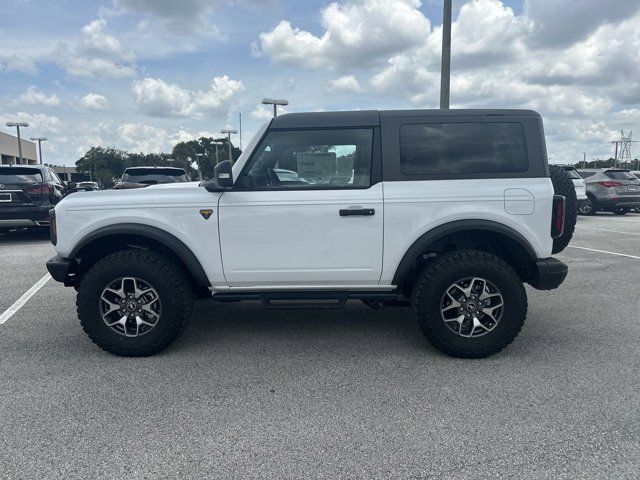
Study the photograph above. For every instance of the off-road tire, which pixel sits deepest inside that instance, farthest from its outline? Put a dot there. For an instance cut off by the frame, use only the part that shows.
(436, 277)
(167, 278)
(562, 185)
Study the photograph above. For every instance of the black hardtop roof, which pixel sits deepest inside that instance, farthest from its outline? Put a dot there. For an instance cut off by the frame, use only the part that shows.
(365, 118)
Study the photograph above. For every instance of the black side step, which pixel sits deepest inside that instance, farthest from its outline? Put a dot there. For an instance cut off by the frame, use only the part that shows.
(308, 299)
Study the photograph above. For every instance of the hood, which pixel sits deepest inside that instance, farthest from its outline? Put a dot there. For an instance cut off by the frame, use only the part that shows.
(155, 196)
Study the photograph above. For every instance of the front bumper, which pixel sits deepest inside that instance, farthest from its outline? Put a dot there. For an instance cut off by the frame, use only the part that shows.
(62, 270)
(548, 274)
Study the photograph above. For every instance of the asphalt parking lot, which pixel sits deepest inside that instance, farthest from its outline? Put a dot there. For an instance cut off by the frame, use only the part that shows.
(353, 393)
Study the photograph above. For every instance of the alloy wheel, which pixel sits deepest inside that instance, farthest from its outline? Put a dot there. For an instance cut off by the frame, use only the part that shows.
(472, 307)
(130, 306)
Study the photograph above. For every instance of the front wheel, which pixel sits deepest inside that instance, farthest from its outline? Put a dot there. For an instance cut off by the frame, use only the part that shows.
(134, 303)
(469, 303)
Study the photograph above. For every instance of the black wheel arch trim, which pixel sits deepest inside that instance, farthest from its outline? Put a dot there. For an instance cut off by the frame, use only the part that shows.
(420, 245)
(167, 239)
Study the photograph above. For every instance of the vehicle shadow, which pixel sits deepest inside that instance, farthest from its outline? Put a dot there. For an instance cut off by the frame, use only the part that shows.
(356, 327)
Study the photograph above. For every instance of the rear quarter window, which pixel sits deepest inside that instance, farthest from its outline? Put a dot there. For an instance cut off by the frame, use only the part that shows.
(463, 148)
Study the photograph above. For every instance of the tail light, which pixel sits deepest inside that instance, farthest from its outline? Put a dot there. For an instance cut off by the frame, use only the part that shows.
(610, 184)
(53, 227)
(557, 217)
(44, 189)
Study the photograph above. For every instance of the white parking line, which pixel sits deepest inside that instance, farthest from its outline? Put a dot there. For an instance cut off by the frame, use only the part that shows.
(604, 251)
(10, 312)
(611, 231)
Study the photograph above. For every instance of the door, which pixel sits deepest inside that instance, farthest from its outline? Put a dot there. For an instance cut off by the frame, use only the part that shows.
(304, 213)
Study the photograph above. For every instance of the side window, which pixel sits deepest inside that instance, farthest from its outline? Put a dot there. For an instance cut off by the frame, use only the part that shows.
(55, 177)
(462, 148)
(310, 159)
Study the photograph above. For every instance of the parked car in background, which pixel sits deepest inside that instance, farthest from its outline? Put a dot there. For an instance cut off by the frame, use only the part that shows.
(140, 177)
(27, 193)
(87, 186)
(615, 190)
(578, 183)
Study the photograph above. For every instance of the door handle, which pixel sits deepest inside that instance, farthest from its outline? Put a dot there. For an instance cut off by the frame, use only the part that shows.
(349, 212)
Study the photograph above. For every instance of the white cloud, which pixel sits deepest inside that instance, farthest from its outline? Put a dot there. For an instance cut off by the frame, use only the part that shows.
(358, 33)
(38, 122)
(18, 63)
(262, 114)
(33, 96)
(155, 97)
(94, 101)
(559, 24)
(96, 54)
(344, 84)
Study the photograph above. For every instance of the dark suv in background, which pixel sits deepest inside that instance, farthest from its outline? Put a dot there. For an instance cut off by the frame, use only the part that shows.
(27, 193)
(615, 190)
(140, 177)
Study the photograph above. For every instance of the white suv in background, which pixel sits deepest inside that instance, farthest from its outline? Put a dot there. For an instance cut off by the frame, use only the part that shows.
(451, 211)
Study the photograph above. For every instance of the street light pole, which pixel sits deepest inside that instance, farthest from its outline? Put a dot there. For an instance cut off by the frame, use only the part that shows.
(445, 70)
(215, 144)
(229, 132)
(18, 125)
(39, 140)
(275, 102)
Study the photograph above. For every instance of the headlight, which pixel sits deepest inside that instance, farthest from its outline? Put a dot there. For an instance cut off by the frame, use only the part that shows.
(52, 226)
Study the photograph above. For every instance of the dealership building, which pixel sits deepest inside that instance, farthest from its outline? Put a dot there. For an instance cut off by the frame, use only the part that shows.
(9, 154)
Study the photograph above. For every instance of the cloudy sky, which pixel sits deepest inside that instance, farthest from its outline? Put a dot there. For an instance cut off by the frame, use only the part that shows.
(143, 74)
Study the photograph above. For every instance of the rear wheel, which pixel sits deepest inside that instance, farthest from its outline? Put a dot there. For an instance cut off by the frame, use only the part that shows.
(587, 208)
(469, 303)
(621, 211)
(134, 303)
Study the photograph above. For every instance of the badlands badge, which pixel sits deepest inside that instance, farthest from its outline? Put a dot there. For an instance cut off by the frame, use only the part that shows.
(206, 213)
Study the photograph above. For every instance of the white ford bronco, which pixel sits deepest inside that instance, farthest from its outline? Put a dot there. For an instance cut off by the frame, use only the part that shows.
(450, 211)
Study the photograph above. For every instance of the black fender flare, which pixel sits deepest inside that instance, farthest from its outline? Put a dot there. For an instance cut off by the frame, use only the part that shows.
(420, 245)
(165, 238)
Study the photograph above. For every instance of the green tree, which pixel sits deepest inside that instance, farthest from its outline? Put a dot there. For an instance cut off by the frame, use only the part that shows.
(104, 164)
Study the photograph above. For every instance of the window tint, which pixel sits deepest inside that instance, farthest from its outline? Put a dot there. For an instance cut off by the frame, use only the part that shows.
(152, 176)
(620, 175)
(20, 175)
(462, 148)
(586, 174)
(300, 159)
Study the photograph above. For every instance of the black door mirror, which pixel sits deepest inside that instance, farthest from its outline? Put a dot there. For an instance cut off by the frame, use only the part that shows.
(71, 185)
(222, 177)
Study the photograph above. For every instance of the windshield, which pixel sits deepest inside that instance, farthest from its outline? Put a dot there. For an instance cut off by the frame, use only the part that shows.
(620, 175)
(20, 175)
(151, 176)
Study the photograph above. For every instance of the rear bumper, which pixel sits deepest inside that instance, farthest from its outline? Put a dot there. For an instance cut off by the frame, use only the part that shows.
(32, 216)
(549, 273)
(61, 270)
(619, 202)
